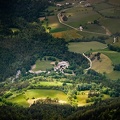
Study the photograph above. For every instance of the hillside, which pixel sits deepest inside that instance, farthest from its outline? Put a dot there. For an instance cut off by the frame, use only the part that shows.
(59, 59)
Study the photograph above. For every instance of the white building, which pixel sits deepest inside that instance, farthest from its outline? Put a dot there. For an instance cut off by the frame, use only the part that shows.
(81, 28)
(61, 66)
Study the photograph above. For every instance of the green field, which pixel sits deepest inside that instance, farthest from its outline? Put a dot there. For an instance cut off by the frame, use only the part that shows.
(37, 93)
(55, 83)
(115, 58)
(80, 15)
(111, 39)
(115, 2)
(111, 12)
(55, 26)
(102, 6)
(82, 97)
(80, 47)
(42, 65)
(104, 65)
(111, 24)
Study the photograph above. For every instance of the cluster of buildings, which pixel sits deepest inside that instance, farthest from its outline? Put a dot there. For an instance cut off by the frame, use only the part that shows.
(61, 66)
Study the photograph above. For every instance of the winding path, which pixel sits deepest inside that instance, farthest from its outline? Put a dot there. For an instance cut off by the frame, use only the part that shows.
(89, 61)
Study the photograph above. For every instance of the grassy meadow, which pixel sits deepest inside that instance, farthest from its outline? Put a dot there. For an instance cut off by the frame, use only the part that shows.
(104, 65)
(82, 97)
(80, 47)
(42, 65)
(23, 98)
(114, 2)
(55, 26)
(114, 57)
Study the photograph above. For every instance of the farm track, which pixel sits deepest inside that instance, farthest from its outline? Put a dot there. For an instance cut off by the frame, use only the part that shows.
(89, 61)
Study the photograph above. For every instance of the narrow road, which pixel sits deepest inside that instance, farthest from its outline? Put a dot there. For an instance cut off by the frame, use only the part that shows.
(89, 61)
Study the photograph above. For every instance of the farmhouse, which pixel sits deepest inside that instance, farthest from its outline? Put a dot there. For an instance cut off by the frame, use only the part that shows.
(59, 5)
(87, 5)
(81, 28)
(61, 66)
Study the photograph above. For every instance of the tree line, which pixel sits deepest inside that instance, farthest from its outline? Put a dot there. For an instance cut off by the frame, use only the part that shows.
(106, 109)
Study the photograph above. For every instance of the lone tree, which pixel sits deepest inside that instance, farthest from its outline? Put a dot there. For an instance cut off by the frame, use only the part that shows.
(65, 18)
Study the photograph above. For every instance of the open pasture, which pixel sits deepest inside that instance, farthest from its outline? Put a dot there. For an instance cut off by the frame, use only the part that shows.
(43, 83)
(114, 75)
(80, 16)
(111, 39)
(82, 97)
(114, 2)
(42, 65)
(37, 93)
(111, 24)
(80, 47)
(112, 12)
(55, 26)
(104, 65)
(115, 58)
(102, 6)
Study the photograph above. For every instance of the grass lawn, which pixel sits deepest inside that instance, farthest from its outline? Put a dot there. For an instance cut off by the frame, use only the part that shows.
(80, 47)
(37, 93)
(42, 65)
